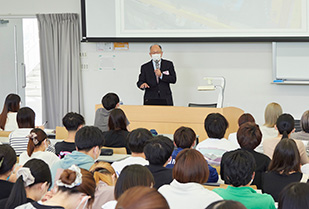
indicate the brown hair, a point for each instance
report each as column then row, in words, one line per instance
column 140, row 197
column 286, row 157
column 244, row 118
column 35, row 141
column 304, row 121
column 271, row 114
column 190, row 166
column 249, row 136
column 184, row 137
column 103, row 171
column 11, row 104
column 117, row 120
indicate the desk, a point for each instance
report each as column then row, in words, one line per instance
column 112, row 158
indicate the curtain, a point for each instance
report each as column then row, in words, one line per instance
column 60, row 66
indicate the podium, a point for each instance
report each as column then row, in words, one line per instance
column 166, row 119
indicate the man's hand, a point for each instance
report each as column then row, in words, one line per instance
column 144, row 85
column 158, row 72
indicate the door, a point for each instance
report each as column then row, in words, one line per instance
column 12, row 68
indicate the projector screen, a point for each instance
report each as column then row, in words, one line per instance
column 194, row 19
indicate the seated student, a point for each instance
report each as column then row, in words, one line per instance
column 131, row 176
column 294, row 196
column 88, row 141
column 285, row 126
column 215, row 146
column 186, row 190
column 226, row 204
column 7, row 166
column 75, row 189
column 118, row 132
column 72, row 122
column 18, row 138
column 249, row 137
column 304, row 133
column 110, row 101
column 158, row 152
column 137, row 140
column 33, row 181
column 284, row 168
column 140, row 197
column 239, row 168
column 37, row 145
column 9, row 113
column 185, row 137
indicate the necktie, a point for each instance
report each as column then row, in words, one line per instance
column 157, row 67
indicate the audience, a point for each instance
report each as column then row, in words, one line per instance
column 137, row 140
column 249, row 137
column 186, row 190
column 140, row 197
column 185, row 137
column 285, row 126
column 37, row 145
column 131, row 176
column 118, row 132
column 9, row 113
column 88, row 141
column 284, row 168
column 158, row 152
column 226, row 204
column 33, row 181
column 294, row 196
column 304, row 133
column 239, row 167
column 216, row 145
column 18, row 138
column 72, row 122
column 7, row 166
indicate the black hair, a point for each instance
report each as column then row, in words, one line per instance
column 226, row 204
column 110, row 100
column 11, row 104
column 158, row 150
column 41, row 173
column 25, row 117
column 294, row 196
column 72, row 121
column 117, row 120
column 7, row 158
column 184, row 137
column 138, row 138
column 239, row 166
column 215, row 125
column 88, row 137
column 285, row 124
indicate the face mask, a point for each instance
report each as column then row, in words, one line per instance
column 156, row 57
column 85, row 201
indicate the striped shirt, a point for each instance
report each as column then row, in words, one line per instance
column 18, row 140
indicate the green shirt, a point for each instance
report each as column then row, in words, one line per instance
column 247, row 196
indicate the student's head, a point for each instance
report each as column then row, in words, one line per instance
column 133, row 175
column 294, row 196
column 244, row 118
column 190, row 166
column 25, row 117
column 103, row 171
column 117, row 120
column 140, row 197
column 286, row 157
column 249, row 136
column 72, row 121
column 7, row 159
column 37, row 138
column 78, row 182
column 184, row 137
column 271, row 114
column 138, row 138
column 36, row 177
column 89, row 138
column 304, row 121
column 285, row 124
column 215, row 125
column 158, row 150
column 239, row 167
column 226, row 204
column 11, row 104
column 110, row 101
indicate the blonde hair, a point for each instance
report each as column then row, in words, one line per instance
column 103, row 171
column 272, row 112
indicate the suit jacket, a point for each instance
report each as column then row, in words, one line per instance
column 159, row 90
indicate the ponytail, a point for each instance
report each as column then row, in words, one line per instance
column 36, row 137
column 285, row 135
column 18, row 194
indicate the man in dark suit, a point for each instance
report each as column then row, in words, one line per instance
column 155, row 78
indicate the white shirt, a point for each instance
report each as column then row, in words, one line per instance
column 18, row 139
column 110, row 204
column 267, row 133
column 188, row 195
column 11, row 123
column 119, row 165
column 48, row 157
column 233, row 138
column 213, row 149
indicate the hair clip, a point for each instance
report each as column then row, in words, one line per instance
column 33, row 136
column 27, row 176
column 78, row 179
